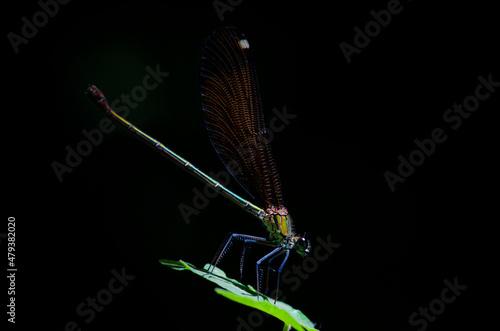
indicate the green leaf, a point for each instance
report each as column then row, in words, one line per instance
column 247, row 295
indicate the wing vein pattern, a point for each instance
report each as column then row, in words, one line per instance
column 233, row 115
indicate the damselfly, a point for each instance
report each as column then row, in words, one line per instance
column 235, row 123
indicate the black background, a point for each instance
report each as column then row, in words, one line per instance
column 119, row 207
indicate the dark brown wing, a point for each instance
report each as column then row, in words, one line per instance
column 233, row 115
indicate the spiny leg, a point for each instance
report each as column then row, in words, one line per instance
column 269, row 267
column 226, row 244
column 279, row 273
column 230, row 238
column 247, row 246
column 266, row 257
column 242, row 259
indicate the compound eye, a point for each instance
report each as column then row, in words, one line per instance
column 303, row 246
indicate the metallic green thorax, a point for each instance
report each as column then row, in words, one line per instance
column 278, row 222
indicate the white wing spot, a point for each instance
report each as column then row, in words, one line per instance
column 244, row 43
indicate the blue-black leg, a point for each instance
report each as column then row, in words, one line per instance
column 270, row 267
column 228, row 242
column 245, row 250
column 279, row 274
column 277, row 251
